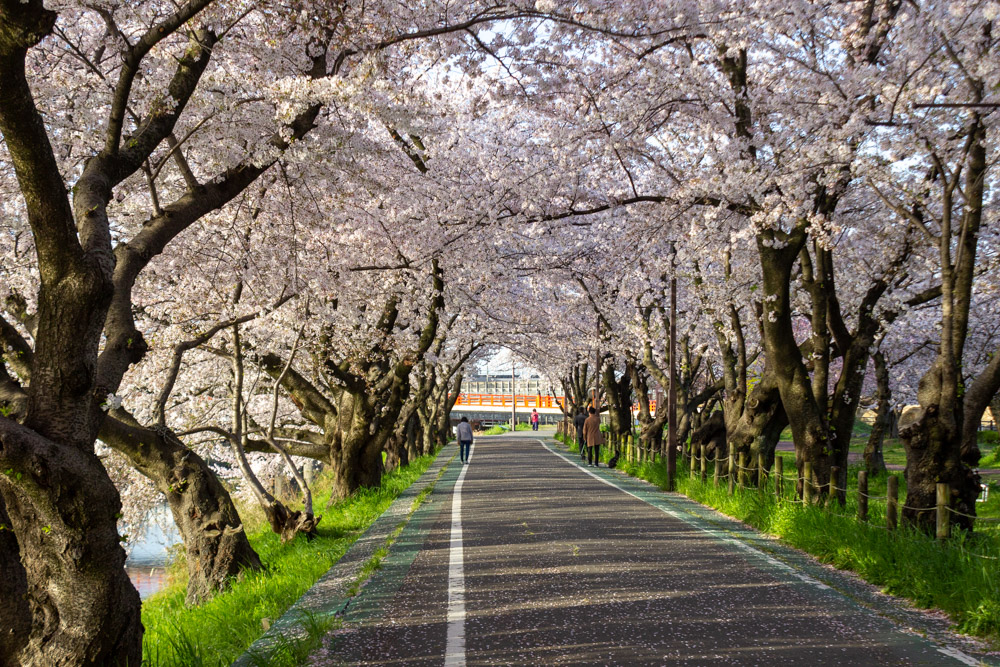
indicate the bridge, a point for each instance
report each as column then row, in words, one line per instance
column 497, row 407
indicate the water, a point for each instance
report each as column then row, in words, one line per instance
column 148, row 559
column 147, row 580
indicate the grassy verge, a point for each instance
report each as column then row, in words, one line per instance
column 895, row 454
column 957, row 576
column 569, row 441
column 217, row 632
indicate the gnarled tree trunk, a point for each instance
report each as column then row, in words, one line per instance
column 619, row 397
column 64, row 510
column 215, row 543
column 357, row 452
column 754, row 425
column 873, row 455
column 930, row 436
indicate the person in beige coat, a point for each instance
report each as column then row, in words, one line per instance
column 593, row 437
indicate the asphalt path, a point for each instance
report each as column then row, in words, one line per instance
column 525, row 557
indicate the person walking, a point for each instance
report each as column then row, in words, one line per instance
column 534, row 419
column 464, row 435
column 578, row 421
column 593, row 437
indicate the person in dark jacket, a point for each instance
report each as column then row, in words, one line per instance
column 464, row 435
column 578, row 422
column 593, row 437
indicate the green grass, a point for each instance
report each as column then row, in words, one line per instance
column 991, row 458
column 957, row 576
column 218, row 631
column 895, row 454
column 288, row 653
column 568, row 441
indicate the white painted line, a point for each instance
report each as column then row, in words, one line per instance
column 454, row 655
column 958, row 655
column 949, row 651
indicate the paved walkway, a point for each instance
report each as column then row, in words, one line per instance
column 535, row 560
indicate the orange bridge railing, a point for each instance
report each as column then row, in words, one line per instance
column 523, row 401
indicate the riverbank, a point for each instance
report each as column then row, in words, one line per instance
column 218, row 631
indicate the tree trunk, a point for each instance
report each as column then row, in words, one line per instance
column 15, row 617
column 754, row 426
column 357, row 453
column 427, row 429
column 215, row 543
column 873, row 456
column 448, row 403
column 995, row 412
column 810, row 431
column 64, row 511
column 619, row 396
column 934, row 455
column 413, row 437
column 396, row 455
column 712, row 434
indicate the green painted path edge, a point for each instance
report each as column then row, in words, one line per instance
column 329, row 597
column 788, row 562
column 381, row 588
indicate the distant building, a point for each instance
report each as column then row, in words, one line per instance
column 501, row 384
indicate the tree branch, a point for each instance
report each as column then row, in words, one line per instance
column 23, row 25
column 133, row 60
column 182, row 347
column 14, row 349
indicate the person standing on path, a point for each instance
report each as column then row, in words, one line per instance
column 578, row 422
column 593, row 437
column 534, row 419
column 464, row 435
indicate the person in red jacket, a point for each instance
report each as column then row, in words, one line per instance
column 534, row 419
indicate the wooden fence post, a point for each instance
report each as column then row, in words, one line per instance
column 718, row 468
column 761, row 471
column 742, row 474
column 693, row 461
column 704, row 465
column 779, row 475
column 862, row 495
column 831, row 487
column 807, row 482
column 732, row 470
column 943, row 520
column 891, row 501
